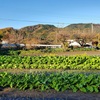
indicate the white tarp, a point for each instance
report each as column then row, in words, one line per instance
column 75, row 44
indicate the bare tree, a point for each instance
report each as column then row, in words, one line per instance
column 63, row 37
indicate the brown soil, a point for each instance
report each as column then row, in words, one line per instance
column 67, row 53
column 49, row 94
column 90, row 53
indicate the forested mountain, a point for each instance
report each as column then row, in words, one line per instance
column 37, row 33
column 47, row 34
column 84, row 27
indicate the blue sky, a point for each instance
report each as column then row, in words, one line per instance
column 21, row 13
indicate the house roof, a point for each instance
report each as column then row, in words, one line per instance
column 8, row 46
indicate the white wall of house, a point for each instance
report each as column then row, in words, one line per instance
column 4, row 42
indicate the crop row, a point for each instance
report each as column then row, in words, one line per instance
column 47, row 81
column 50, row 62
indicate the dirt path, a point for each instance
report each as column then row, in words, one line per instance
column 90, row 53
column 47, row 95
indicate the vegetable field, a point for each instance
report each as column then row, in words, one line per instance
column 50, row 62
column 59, row 81
column 56, row 81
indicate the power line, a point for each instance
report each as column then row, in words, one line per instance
column 6, row 19
column 59, row 24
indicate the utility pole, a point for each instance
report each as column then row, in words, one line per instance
column 91, row 28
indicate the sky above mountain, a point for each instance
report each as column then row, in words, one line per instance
column 20, row 13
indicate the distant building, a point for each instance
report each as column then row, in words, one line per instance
column 73, row 43
column 4, row 42
column 8, row 46
column 45, row 45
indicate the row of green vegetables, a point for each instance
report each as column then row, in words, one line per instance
column 47, row 81
column 51, row 62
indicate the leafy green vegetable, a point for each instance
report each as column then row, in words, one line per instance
column 57, row 81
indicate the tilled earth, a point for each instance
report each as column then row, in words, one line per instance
column 14, row 94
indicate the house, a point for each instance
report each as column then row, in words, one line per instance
column 4, row 42
column 46, row 45
column 8, row 46
column 88, row 45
